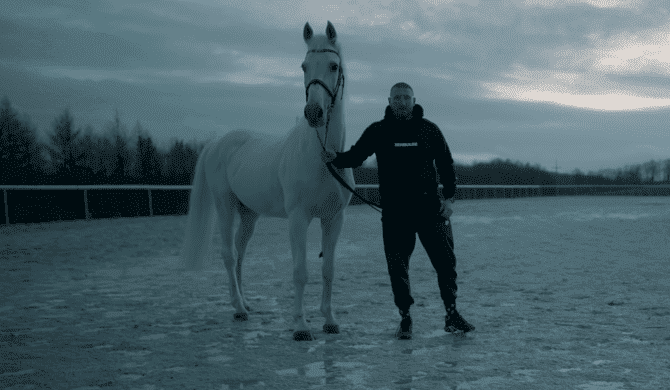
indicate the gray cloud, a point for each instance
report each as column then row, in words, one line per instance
column 489, row 73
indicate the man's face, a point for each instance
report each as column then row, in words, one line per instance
column 402, row 101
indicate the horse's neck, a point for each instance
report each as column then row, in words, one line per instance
column 336, row 130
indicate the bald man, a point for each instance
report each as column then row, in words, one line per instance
column 406, row 145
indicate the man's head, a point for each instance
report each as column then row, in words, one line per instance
column 402, row 100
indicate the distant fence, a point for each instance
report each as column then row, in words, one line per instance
column 35, row 204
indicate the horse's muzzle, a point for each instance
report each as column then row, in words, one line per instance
column 314, row 115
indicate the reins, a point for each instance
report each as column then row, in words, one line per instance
column 333, row 97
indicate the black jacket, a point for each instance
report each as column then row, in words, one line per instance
column 405, row 152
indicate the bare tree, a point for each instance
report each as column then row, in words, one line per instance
column 148, row 168
column 89, row 153
column 107, row 158
column 121, row 154
column 649, row 170
column 666, row 169
column 63, row 148
column 20, row 153
column 179, row 163
column 632, row 174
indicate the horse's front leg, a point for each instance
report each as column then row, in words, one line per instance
column 330, row 232
column 298, row 224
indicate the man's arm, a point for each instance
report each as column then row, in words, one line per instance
column 364, row 148
column 445, row 168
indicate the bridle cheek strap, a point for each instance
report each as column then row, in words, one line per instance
column 333, row 96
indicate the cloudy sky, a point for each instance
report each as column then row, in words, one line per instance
column 585, row 83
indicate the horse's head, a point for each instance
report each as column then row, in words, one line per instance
column 323, row 73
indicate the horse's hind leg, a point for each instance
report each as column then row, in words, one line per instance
column 248, row 219
column 330, row 232
column 225, row 205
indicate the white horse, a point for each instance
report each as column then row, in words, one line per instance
column 247, row 173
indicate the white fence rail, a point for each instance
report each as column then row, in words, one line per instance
column 528, row 190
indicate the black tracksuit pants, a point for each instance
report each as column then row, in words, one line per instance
column 400, row 226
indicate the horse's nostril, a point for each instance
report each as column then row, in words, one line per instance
column 313, row 113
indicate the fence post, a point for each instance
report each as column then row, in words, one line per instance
column 88, row 216
column 6, row 208
column 151, row 210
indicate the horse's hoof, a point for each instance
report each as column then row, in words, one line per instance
column 331, row 328
column 241, row 316
column 303, row 335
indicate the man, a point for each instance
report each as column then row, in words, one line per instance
column 406, row 145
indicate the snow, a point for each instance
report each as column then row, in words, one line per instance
column 565, row 292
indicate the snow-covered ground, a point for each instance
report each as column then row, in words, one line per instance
column 565, row 292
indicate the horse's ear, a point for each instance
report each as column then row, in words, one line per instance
column 307, row 32
column 330, row 32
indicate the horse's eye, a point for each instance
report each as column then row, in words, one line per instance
column 333, row 68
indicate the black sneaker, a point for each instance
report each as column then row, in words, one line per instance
column 453, row 322
column 404, row 331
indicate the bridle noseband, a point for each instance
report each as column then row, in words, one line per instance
column 333, row 96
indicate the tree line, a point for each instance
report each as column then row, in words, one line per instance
column 83, row 157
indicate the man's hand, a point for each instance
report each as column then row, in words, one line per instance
column 445, row 208
column 328, row 156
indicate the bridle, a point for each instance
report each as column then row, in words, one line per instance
column 333, row 96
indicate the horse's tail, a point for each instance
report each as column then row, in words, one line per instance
column 200, row 223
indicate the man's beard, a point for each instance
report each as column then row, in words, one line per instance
column 402, row 113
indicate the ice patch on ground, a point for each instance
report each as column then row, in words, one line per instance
column 315, row 370
column 435, row 333
column 255, row 334
column 599, row 362
column 153, row 336
column 365, row 346
column 219, row 359
column 474, row 219
column 483, row 383
column 23, row 372
column 581, row 217
column 601, row 386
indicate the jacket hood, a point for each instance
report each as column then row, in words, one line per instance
column 417, row 113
